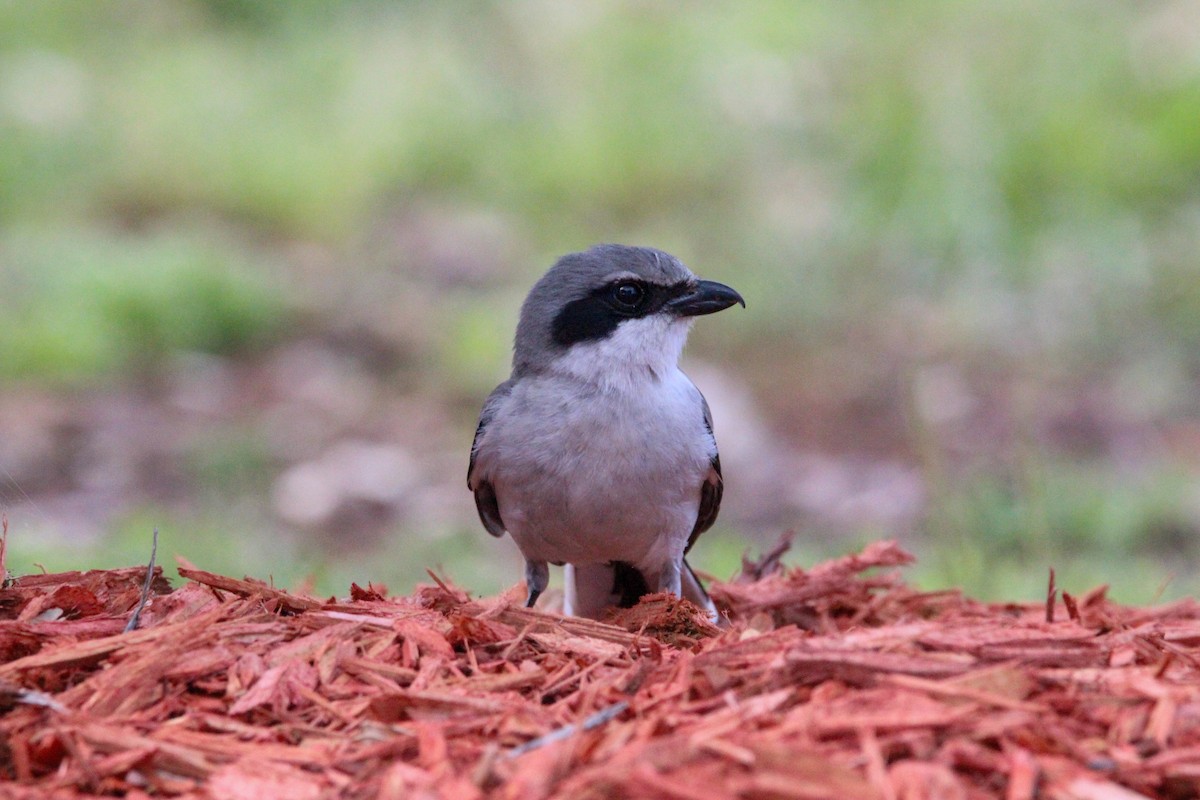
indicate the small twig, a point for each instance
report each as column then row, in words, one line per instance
column 1072, row 607
column 1164, row 665
column 247, row 588
column 1051, row 596
column 453, row 595
column 768, row 563
column 591, row 723
column 877, row 773
column 137, row 612
column 1162, row 588
column 441, row 583
column 32, row 698
column 515, row 643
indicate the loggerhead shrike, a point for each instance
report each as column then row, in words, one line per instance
column 598, row 453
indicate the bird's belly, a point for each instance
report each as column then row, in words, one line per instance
column 569, row 523
column 579, row 498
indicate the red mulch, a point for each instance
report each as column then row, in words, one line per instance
column 839, row 681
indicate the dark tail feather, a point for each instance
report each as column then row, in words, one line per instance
column 629, row 585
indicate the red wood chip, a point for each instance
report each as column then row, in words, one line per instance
column 839, row 681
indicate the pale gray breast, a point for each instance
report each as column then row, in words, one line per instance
column 598, row 477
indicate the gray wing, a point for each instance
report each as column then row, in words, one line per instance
column 712, row 488
column 485, row 494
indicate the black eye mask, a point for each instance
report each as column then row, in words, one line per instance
column 596, row 315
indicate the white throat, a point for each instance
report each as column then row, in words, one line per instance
column 638, row 351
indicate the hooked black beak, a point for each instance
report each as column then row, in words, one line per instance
column 708, row 297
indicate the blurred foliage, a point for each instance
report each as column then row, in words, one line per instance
column 1008, row 188
column 85, row 305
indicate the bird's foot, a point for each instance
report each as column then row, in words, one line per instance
column 537, row 577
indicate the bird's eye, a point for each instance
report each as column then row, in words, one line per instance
column 628, row 294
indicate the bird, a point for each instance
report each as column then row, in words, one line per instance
column 598, row 453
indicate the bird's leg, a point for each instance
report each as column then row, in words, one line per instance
column 537, row 576
column 670, row 579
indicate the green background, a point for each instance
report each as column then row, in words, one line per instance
column 254, row 254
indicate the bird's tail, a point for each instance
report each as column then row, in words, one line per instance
column 591, row 588
column 694, row 590
column 629, row 584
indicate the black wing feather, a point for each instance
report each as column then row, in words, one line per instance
column 711, row 490
column 485, row 494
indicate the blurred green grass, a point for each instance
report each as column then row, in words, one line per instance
column 84, row 304
column 1010, row 189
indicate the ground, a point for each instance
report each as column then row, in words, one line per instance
column 839, row 681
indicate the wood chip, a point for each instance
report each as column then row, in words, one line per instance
column 838, row 681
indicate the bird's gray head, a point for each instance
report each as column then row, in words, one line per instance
column 611, row 312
